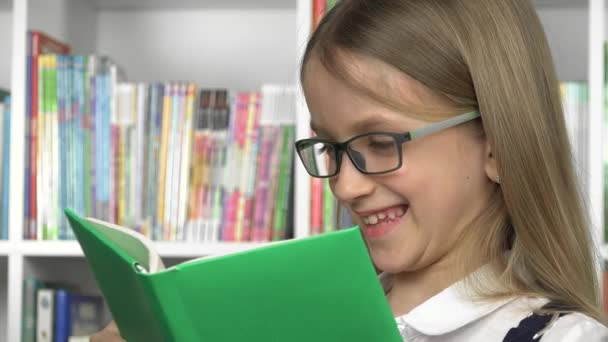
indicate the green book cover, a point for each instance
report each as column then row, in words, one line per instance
column 28, row 320
column 321, row 288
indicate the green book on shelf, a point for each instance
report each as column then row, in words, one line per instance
column 321, row 288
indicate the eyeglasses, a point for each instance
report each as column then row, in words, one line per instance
column 372, row 153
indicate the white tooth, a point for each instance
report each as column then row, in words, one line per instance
column 400, row 211
column 391, row 215
column 365, row 220
column 373, row 219
column 381, row 216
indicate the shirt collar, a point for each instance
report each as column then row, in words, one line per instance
column 449, row 310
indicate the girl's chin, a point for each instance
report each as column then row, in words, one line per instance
column 389, row 262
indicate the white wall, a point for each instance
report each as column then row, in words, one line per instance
column 567, row 32
column 72, row 21
column 238, row 49
column 6, row 36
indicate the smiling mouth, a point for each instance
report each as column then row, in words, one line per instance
column 383, row 216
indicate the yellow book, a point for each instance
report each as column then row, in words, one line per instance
column 163, row 159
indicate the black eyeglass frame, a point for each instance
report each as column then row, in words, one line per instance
column 339, row 148
column 400, row 139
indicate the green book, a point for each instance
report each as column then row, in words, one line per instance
column 321, row 288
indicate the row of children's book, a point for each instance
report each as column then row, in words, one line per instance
column 59, row 313
column 172, row 160
column 5, row 117
column 325, row 214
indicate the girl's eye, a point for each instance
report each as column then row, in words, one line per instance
column 324, row 148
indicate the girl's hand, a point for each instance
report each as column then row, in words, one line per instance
column 108, row 334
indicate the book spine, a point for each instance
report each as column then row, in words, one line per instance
column 62, row 329
column 62, row 142
column 185, row 164
column 45, row 315
column 316, row 206
column 151, row 164
column 54, row 145
column 40, row 163
column 223, row 117
column 283, row 192
column 28, row 143
column 262, row 180
column 318, row 11
column 253, row 137
column 90, row 135
column 144, row 146
column 83, row 134
column 180, row 140
column 235, row 167
column 30, row 302
column 248, row 107
column 198, row 153
column 206, row 194
column 166, row 117
column 275, row 171
column 329, row 208
column 172, row 156
column 73, row 158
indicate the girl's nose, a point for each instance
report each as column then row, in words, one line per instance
column 350, row 184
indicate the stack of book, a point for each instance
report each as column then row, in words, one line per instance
column 170, row 160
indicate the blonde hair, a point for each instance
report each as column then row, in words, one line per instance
column 493, row 56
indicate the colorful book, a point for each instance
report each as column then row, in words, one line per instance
column 288, row 297
column 39, row 43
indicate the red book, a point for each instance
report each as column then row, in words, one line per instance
column 40, row 43
column 318, row 10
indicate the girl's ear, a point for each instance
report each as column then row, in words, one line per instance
column 490, row 164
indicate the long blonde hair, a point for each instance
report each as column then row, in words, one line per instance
column 491, row 55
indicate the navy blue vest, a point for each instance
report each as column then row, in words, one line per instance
column 530, row 329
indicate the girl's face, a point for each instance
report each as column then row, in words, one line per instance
column 410, row 217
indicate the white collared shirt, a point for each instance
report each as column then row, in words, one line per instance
column 450, row 316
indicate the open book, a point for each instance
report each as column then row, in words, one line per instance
column 321, row 288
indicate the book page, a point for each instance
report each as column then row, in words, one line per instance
column 132, row 243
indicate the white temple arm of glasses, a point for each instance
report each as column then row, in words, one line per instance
column 439, row 126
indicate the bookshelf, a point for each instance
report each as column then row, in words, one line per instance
column 237, row 44
column 263, row 41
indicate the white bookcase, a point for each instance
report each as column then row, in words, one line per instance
column 238, row 44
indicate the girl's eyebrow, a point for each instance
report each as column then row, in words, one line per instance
column 369, row 123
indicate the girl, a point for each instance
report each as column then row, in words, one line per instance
column 439, row 125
